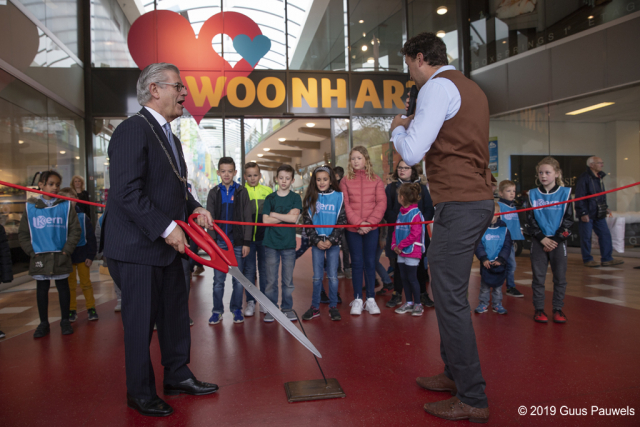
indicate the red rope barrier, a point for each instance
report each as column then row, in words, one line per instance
column 19, row 187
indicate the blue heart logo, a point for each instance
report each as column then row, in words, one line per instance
column 252, row 51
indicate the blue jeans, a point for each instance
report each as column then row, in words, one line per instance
column 382, row 272
column 332, row 260
column 604, row 239
column 496, row 293
column 511, row 268
column 249, row 267
column 218, row 284
column 273, row 258
column 362, row 249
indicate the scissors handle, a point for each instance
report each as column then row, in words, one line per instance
column 221, row 259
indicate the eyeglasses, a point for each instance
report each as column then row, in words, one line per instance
column 178, row 86
column 404, row 168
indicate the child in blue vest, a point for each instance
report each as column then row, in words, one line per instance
column 507, row 192
column 408, row 243
column 549, row 228
column 324, row 205
column 82, row 259
column 49, row 232
column 493, row 251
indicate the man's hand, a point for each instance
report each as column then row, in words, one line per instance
column 205, row 219
column 487, row 264
column 399, row 121
column 177, row 240
column 584, row 218
column 245, row 251
column 88, row 262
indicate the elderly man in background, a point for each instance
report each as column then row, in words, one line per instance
column 592, row 213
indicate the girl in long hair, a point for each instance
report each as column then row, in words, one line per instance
column 365, row 203
column 550, row 229
column 324, row 205
column 407, row 174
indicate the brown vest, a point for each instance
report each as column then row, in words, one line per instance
column 458, row 161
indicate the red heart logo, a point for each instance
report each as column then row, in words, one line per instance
column 165, row 36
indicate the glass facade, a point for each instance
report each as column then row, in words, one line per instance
column 42, row 90
column 36, row 134
column 501, row 29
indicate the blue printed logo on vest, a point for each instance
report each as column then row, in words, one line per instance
column 42, row 221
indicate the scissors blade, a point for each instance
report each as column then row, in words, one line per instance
column 273, row 310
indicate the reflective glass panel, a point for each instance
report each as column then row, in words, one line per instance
column 376, row 35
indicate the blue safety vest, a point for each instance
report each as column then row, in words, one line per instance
column 327, row 210
column 83, row 238
column 403, row 231
column 549, row 219
column 48, row 227
column 493, row 240
column 512, row 221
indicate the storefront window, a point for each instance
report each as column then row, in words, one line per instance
column 372, row 132
column 109, row 32
column 320, row 44
column 36, row 134
column 61, row 17
column 376, row 35
column 341, row 141
column 501, row 29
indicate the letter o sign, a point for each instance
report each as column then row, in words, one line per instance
column 281, row 92
column 232, row 92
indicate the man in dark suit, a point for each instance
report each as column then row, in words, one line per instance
column 143, row 243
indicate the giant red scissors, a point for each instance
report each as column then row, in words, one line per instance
column 224, row 260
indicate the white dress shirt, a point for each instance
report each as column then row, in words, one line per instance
column 161, row 121
column 438, row 100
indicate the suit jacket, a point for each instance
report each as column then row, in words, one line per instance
column 145, row 194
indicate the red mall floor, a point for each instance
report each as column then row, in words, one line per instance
column 593, row 360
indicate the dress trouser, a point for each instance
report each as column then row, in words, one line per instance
column 457, row 229
column 152, row 294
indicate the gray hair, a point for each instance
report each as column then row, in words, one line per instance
column 590, row 160
column 152, row 73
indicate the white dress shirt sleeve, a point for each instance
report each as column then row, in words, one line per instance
column 438, row 100
column 169, row 229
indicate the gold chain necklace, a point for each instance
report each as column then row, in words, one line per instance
column 175, row 171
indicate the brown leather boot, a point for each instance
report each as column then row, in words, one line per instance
column 439, row 382
column 453, row 409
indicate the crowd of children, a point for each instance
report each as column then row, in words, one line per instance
column 59, row 238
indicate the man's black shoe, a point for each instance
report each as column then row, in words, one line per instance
column 191, row 386
column 42, row 330
column 155, row 407
column 425, row 300
column 65, row 325
column 324, row 298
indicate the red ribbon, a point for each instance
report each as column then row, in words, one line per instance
column 19, row 187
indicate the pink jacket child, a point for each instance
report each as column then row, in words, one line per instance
column 364, row 199
column 411, row 236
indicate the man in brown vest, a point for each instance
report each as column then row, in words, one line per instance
column 451, row 126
